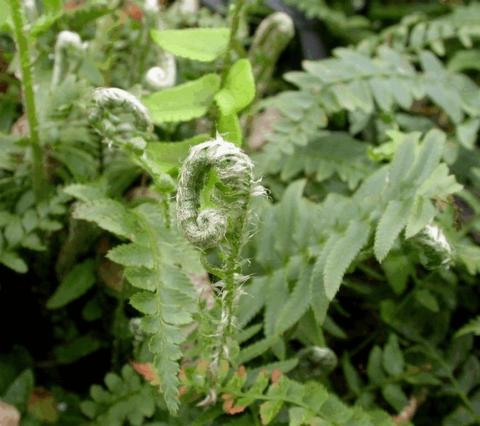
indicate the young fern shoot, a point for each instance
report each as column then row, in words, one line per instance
column 68, row 51
column 222, row 223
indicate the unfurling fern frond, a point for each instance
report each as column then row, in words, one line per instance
column 163, row 75
column 233, row 171
column 120, row 117
column 68, row 51
column 270, row 40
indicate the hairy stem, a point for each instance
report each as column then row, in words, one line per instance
column 39, row 175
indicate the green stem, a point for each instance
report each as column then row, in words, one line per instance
column 235, row 24
column 39, row 175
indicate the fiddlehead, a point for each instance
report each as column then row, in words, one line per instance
column 163, row 76
column 234, row 170
column 270, row 40
column 120, row 117
column 220, row 224
column 435, row 250
column 68, row 46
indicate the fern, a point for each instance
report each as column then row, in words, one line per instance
column 417, row 32
column 363, row 85
column 332, row 233
column 126, row 400
column 163, row 293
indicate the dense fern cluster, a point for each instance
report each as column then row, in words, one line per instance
column 323, row 274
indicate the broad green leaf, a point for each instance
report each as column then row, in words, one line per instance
column 238, row 90
column 110, row 215
column 392, row 222
column 342, row 254
column 184, row 102
column 229, row 127
column 77, row 282
column 170, row 155
column 132, row 255
column 393, row 361
column 200, row 44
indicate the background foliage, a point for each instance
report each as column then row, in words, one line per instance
column 356, row 300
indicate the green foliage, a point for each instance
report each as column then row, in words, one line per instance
column 77, row 282
column 199, row 44
column 126, row 400
column 183, row 102
column 147, row 258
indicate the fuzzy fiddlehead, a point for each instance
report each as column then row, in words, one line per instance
column 270, row 40
column 219, row 221
column 164, row 75
column 120, row 117
column 435, row 250
column 68, row 51
column 234, row 171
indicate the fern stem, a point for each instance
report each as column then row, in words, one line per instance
column 234, row 26
column 39, row 175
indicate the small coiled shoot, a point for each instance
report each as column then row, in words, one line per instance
column 120, row 117
column 233, row 170
column 164, row 75
column 68, row 52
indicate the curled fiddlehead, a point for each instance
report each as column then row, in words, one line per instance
column 234, row 170
column 68, row 51
column 220, row 223
column 435, row 250
column 120, row 117
column 270, row 40
column 164, row 75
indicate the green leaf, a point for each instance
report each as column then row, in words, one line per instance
column 13, row 261
column 297, row 304
column 397, row 268
column 170, row 155
column 467, row 132
column 111, row 216
column 427, row 299
column 393, row 361
column 342, row 254
column 391, row 224
column 421, row 215
column 229, row 127
column 374, row 366
column 53, row 7
column 20, row 390
column 200, row 44
column 77, row 282
column 184, row 102
column 395, row 396
column 352, row 377
column 238, row 91
column 76, row 349
column 131, row 255
column 473, row 327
